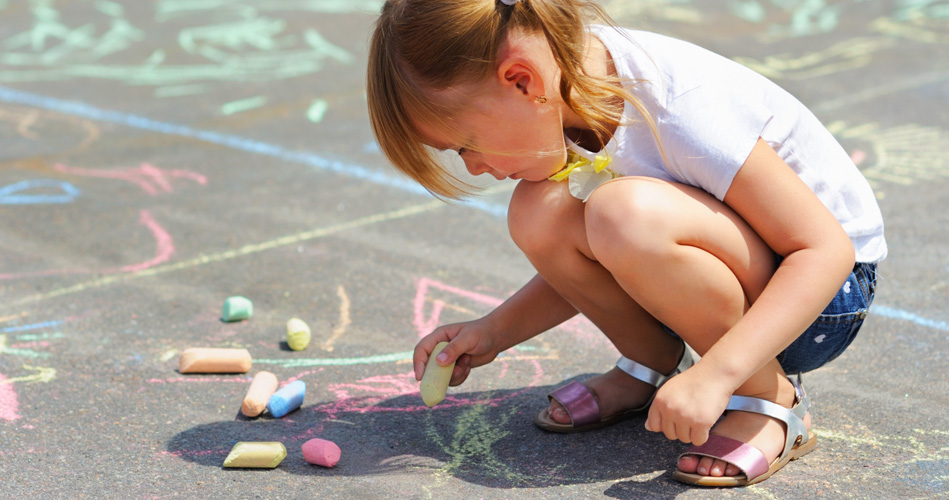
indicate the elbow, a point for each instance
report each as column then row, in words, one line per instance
column 843, row 256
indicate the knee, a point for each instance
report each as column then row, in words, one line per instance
column 538, row 215
column 626, row 220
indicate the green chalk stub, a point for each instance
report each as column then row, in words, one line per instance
column 237, row 308
column 256, row 455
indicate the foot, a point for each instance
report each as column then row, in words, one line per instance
column 760, row 431
column 615, row 392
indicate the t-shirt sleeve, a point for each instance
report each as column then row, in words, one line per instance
column 708, row 132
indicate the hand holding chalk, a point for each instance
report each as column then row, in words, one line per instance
column 436, row 378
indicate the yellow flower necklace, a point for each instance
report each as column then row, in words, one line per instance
column 584, row 175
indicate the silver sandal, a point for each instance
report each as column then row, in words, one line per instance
column 747, row 458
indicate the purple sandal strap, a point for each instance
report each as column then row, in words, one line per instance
column 579, row 402
column 742, row 455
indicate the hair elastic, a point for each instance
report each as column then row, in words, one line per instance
column 509, row 2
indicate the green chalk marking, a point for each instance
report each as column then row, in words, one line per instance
column 243, row 105
column 110, row 8
column 26, row 353
column 156, row 58
column 43, row 336
column 181, row 90
column 317, row 110
column 298, row 363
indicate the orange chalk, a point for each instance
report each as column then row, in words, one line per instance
column 263, row 386
column 214, row 360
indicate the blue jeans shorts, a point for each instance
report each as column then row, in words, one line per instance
column 836, row 327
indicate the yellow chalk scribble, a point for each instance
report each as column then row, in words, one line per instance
column 847, row 55
column 45, row 375
column 902, row 155
column 344, row 318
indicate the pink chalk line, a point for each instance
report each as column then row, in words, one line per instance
column 192, row 453
column 858, row 157
column 8, row 400
column 424, row 325
column 144, row 176
column 30, row 451
column 384, row 387
column 164, row 248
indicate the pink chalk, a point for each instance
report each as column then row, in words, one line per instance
column 321, row 452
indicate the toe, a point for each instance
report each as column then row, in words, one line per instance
column 705, row 466
column 688, row 464
column 717, row 469
column 558, row 413
column 732, row 470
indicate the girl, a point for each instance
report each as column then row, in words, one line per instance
column 698, row 198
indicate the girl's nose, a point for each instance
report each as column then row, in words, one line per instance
column 476, row 167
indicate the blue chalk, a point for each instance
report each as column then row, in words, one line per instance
column 287, row 399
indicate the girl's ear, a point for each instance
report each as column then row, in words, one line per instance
column 517, row 73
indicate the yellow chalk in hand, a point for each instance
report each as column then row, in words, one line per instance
column 435, row 379
column 256, row 455
column 298, row 334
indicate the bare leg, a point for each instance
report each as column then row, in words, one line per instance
column 547, row 223
column 696, row 266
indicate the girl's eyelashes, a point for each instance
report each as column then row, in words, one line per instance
column 462, row 151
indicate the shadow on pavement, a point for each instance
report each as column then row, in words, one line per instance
column 485, row 438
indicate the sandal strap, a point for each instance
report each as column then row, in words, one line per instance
column 793, row 418
column 747, row 458
column 645, row 374
column 579, row 403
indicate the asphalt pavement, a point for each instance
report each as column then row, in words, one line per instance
column 159, row 157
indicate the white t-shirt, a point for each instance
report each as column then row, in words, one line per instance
column 710, row 111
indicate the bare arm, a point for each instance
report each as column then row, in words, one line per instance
column 818, row 256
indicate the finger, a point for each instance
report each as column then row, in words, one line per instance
column 684, row 433
column 462, row 377
column 455, row 349
column 419, row 360
column 653, row 420
column 424, row 349
column 669, row 428
column 699, row 435
column 461, row 370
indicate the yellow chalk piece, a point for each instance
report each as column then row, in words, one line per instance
column 435, row 379
column 298, row 334
column 256, row 455
column 214, row 360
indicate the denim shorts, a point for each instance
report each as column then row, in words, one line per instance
column 836, row 327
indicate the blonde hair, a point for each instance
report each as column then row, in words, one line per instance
column 420, row 46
